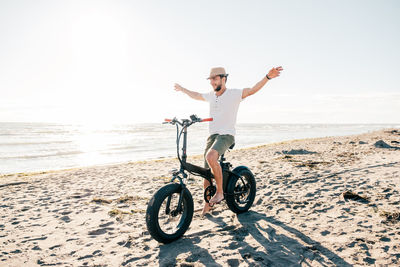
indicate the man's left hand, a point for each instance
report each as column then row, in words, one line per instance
column 275, row 72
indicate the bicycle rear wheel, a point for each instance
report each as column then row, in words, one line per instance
column 241, row 190
column 166, row 219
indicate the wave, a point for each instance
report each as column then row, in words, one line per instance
column 65, row 153
column 34, row 143
column 129, row 147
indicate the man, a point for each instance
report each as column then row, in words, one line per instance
column 224, row 105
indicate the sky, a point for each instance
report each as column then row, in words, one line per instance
column 117, row 61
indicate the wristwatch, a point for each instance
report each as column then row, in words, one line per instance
column 268, row 77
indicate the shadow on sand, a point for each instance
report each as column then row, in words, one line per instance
column 281, row 245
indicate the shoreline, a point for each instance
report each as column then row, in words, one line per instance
column 30, row 173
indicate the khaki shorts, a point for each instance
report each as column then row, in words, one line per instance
column 218, row 142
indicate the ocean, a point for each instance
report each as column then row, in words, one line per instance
column 31, row 147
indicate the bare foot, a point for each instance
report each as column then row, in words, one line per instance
column 206, row 209
column 217, row 198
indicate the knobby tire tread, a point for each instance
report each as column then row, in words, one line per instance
column 230, row 198
column 153, row 210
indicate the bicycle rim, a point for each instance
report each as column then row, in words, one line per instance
column 171, row 221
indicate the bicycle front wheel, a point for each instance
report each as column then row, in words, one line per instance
column 169, row 213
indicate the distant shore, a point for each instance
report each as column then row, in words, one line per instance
column 320, row 201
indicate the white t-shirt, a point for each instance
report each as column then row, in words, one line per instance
column 223, row 110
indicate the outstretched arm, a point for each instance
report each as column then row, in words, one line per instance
column 194, row 95
column 273, row 73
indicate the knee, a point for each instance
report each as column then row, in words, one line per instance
column 212, row 156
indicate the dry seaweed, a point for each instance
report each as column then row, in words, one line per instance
column 298, row 152
column 115, row 212
column 390, row 216
column 312, row 164
column 124, row 199
column 101, row 200
column 395, row 132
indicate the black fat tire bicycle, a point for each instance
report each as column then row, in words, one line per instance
column 170, row 210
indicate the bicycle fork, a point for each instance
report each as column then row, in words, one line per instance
column 178, row 209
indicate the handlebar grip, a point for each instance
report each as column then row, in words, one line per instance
column 167, row 120
column 208, row 119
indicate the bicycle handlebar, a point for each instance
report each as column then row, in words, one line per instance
column 193, row 118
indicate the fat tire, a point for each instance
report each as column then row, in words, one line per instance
column 153, row 209
column 230, row 197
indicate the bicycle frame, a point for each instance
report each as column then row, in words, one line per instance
column 186, row 166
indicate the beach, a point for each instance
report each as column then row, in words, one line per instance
column 331, row 201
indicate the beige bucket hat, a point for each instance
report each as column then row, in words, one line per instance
column 217, row 71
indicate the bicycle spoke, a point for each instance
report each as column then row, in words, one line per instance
column 170, row 222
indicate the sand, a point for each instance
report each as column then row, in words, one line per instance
column 95, row 216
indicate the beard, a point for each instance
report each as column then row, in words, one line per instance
column 218, row 88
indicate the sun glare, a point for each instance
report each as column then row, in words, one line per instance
column 92, row 139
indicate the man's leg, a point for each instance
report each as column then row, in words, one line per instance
column 212, row 159
column 210, row 142
column 207, row 206
column 221, row 144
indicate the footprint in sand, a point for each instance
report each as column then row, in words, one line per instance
column 53, row 247
column 324, row 233
column 104, row 229
column 369, row 260
column 34, row 239
column 385, row 239
column 65, row 219
column 100, row 231
column 106, row 224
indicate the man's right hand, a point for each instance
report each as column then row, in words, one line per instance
column 178, row 87
column 192, row 94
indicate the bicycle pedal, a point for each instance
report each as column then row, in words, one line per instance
column 173, row 171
